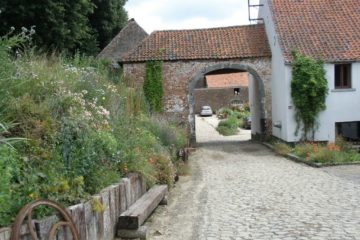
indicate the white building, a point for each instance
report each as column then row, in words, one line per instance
column 324, row 29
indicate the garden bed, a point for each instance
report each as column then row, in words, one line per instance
column 292, row 156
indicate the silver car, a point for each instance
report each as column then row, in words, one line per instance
column 206, row 111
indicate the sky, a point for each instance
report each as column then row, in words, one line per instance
column 189, row 14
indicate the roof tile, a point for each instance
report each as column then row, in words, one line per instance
column 213, row 43
column 323, row 29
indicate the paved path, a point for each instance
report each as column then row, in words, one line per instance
column 241, row 190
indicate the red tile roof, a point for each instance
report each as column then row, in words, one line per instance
column 213, row 43
column 239, row 79
column 327, row 29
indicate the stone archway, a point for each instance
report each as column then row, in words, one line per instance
column 260, row 92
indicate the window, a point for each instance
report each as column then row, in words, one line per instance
column 342, row 75
column 236, row 91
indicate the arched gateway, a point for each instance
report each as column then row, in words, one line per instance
column 188, row 55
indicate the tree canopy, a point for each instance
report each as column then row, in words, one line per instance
column 65, row 25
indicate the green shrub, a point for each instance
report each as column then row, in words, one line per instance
column 164, row 169
column 340, row 152
column 282, row 148
column 229, row 126
column 9, row 170
column 84, row 129
column 223, row 113
column 303, row 150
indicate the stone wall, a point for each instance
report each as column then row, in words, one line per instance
column 217, row 98
column 180, row 79
column 91, row 225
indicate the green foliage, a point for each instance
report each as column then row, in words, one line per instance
column 308, row 91
column 153, row 87
column 228, row 126
column 65, row 25
column 224, row 113
column 168, row 134
column 9, row 169
column 303, row 150
column 97, row 206
column 282, row 148
column 108, row 18
column 84, row 129
column 165, row 170
column 340, row 152
column 233, row 119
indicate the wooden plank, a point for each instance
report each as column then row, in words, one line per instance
column 127, row 196
column 142, row 208
column 77, row 213
column 122, row 199
column 99, row 220
column 108, row 232
column 5, row 233
column 90, row 222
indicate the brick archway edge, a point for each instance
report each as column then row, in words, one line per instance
column 199, row 76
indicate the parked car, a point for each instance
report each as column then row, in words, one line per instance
column 206, row 111
column 247, row 123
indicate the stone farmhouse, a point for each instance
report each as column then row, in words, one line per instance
column 323, row 29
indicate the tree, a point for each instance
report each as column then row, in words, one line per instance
column 108, row 19
column 65, row 25
column 308, row 91
column 59, row 25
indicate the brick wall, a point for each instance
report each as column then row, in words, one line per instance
column 178, row 76
column 217, row 98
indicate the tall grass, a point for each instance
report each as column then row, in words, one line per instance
column 84, row 130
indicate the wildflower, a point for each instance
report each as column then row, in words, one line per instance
column 32, row 30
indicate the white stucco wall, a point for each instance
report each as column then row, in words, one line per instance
column 341, row 105
column 279, row 85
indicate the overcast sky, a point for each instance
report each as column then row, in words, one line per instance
column 187, row 14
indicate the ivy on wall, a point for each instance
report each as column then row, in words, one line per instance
column 308, row 91
column 153, row 87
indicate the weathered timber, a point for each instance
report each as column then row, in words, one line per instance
column 142, row 208
column 141, row 233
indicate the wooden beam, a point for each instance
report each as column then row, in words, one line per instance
column 142, row 208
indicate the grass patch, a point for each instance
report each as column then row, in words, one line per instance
column 282, row 148
column 333, row 153
column 232, row 120
column 73, row 128
column 228, row 126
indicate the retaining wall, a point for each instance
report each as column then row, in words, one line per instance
column 91, row 225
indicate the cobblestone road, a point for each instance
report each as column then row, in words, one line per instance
column 243, row 191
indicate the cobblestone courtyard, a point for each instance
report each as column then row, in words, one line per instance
column 241, row 190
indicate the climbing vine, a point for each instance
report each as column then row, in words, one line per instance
column 153, row 88
column 308, row 91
